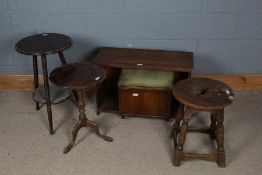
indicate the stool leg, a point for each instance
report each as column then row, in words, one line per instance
column 36, row 82
column 182, row 137
column 176, row 125
column 83, row 122
column 212, row 126
column 220, row 139
column 47, row 94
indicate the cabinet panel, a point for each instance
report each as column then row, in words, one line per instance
column 145, row 102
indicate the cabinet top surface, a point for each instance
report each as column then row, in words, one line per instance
column 145, row 59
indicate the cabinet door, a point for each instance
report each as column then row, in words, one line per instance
column 145, row 102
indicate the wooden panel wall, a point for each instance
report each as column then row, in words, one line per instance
column 239, row 82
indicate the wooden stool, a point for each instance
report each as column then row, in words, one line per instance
column 201, row 94
column 79, row 76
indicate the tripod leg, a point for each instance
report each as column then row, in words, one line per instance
column 74, row 134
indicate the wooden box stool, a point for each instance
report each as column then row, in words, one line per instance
column 200, row 94
column 145, row 93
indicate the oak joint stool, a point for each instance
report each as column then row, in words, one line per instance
column 200, row 94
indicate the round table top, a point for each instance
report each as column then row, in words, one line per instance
column 45, row 43
column 77, row 75
column 203, row 93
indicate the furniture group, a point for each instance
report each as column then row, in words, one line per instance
column 132, row 82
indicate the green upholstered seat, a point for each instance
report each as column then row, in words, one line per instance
column 146, row 79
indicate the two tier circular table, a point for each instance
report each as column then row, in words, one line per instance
column 42, row 45
column 79, row 77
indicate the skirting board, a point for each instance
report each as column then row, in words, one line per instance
column 18, row 82
column 237, row 82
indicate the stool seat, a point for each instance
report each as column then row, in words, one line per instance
column 146, row 79
column 203, row 93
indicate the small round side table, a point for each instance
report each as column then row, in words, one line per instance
column 80, row 76
column 42, row 45
column 200, row 94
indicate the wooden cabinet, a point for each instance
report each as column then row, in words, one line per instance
column 109, row 97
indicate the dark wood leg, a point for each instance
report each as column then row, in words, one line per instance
column 47, row 94
column 221, row 160
column 75, row 95
column 178, row 155
column 74, row 134
column 62, row 58
column 94, row 126
column 213, row 126
column 83, row 122
column 36, row 82
column 176, row 125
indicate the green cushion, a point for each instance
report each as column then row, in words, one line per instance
column 134, row 78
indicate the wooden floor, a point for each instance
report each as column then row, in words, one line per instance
column 236, row 82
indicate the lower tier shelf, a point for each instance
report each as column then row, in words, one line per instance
column 57, row 95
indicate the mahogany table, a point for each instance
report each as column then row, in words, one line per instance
column 42, row 45
column 116, row 59
column 79, row 77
